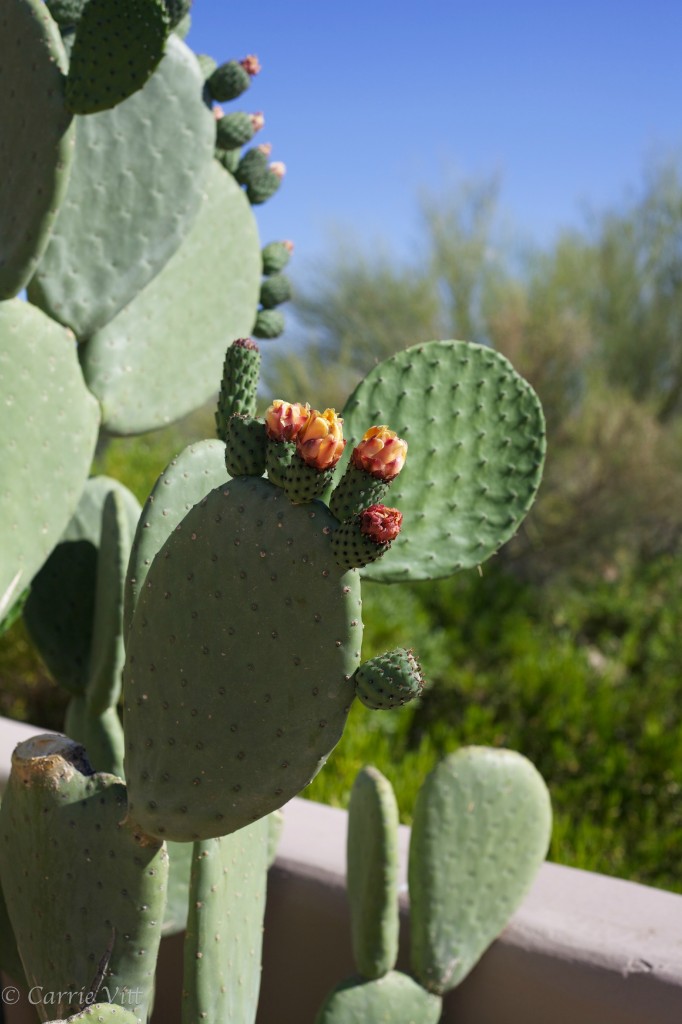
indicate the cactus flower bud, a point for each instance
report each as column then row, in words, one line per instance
column 320, row 441
column 246, row 343
column 218, row 112
column 251, row 64
column 278, row 168
column 289, row 246
column 265, row 148
column 284, row 420
column 257, row 120
column 380, row 523
column 381, row 453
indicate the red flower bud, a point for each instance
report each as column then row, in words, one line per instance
column 380, row 523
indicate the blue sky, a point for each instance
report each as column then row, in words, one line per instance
column 366, row 103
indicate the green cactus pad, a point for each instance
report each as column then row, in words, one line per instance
column 253, row 165
column 10, row 961
column 227, row 158
column 116, row 49
column 274, row 645
column 44, row 470
column 177, row 896
column 389, row 680
column 239, row 386
column 275, row 822
column 207, row 64
column 222, row 951
column 183, row 27
column 100, row 734
column 245, row 446
column 482, row 824
column 66, row 13
column 186, row 480
column 269, row 324
column 101, row 1013
column 61, row 610
column 60, row 836
column 275, row 290
column 476, row 436
column 140, row 365
column 128, row 206
column 372, row 872
column 393, row 999
column 177, row 10
column 262, row 187
column 275, row 256
column 36, row 141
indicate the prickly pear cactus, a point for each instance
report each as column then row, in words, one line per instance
column 245, row 597
column 100, row 1013
column 96, row 888
column 395, row 998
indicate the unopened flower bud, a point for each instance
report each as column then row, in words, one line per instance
column 320, row 442
column 278, row 168
column 289, row 246
column 257, row 120
column 381, row 453
column 218, row 112
column 380, row 523
column 265, row 148
column 283, row 420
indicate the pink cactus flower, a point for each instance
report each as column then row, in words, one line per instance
column 251, row 64
column 284, row 420
column 380, row 523
column 381, row 453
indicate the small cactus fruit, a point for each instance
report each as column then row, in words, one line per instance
column 262, row 187
column 375, row 461
column 233, row 78
column 319, row 446
column 245, row 446
column 239, row 666
column 389, row 680
column 269, row 324
column 94, row 886
column 275, row 290
column 366, row 536
column 239, row 386
column 276, row 255
column 234, row 130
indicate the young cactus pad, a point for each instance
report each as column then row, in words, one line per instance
column 78, row 885
column 238, row 678
column 37, row 138
column 44, row 469
column 482, row 824
column 372, row 858
column 392, row 999
column 476, row 440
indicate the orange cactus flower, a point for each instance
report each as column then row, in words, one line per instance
column 320, row 441
column 283, row 420
column 381, row 453
column 380, row 523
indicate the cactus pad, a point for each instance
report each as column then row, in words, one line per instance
column 476, row 436
column 127, row 206
column 239, row 386
column 245, row 446
column 243, row 597
column 36, row 141
column 373, row 873
column 60, row 610
column 482, row 824
column 393, row 999
column 101, row 1013
column 116, row 49
column 225, row 927
column 43, row 470
column 185, row 481
column 140, row 365
column 76, row 845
